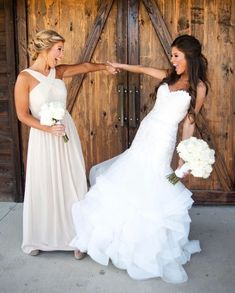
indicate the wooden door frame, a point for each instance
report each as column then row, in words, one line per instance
column 200, row 196
column 225, row 196
column 11, row 73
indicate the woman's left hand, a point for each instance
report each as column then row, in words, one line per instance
column 111, row 69
column 180, row 164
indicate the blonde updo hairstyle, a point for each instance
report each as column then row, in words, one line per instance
column 43, row 40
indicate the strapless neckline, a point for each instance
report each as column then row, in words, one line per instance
column 176, row 91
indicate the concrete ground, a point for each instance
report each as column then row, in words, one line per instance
column 213, row 270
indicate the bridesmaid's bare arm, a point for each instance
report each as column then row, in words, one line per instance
column 67, row 70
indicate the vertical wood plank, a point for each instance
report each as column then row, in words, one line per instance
column 74, row 20
column 122, row 57
column 89, row 49
column 22, row 63
column 14, row 151
column 133, row 79
column 95, row 111
column 183, row 17
column 159, row 25
column 151, row 54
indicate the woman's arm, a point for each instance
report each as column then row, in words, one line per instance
column 189, row 125
column 66, row 70
column 22, row 89
column 154, row 72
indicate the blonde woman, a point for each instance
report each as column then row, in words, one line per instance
column 55, row 177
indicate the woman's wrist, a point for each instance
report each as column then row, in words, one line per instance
column 180, row 163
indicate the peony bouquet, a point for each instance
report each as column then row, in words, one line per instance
column 52, row 113
column 198, row 158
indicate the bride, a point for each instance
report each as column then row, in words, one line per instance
column 133, row 215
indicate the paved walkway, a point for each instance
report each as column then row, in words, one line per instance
column 211, row 271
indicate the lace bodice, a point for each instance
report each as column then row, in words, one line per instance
column 170, row 107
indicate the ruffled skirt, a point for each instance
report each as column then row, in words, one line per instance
column 133, row 216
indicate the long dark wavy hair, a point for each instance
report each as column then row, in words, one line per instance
column 196, row 65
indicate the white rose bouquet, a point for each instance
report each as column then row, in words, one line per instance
column 198, row 158
column 52, row 113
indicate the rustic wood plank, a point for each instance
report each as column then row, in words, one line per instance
column 22, row 36
column 133, row 79
column 232, row 86
column 159, row 25
column 151, row 54
column 17, row 192
column 23, row 62
column 197, row 18
column 183, row 17
column 92, row 113
column 166, row 40
column 213, row 197
column 89, row 48
column 95, row 112
column 219, row 166
column 122, row 57
column 226, row 63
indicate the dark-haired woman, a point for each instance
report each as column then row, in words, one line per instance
column 132, row 214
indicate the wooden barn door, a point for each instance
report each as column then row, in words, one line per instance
column 107, row 109
column 10, row 166
column 144, row 37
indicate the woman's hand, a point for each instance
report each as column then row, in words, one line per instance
column 111, row 69
column 115, row 65
column 180, row 164
column 57, row 129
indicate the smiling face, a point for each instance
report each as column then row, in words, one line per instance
column 55, row 54
column 179, row 61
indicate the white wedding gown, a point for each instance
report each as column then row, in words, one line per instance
column 132, row 214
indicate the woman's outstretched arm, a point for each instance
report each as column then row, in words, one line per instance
column 154, row 72
column 68, row 70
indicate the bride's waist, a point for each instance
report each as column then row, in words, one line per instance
column 161, row 120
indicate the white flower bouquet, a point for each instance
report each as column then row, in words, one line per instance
column 52, row 113
column 198, row 158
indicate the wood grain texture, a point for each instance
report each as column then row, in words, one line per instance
column 133, row 79
column 95, row 110
column 91, row 43
column 10, row 163
column 95, row 107
column 159, row 25
column 121, row 31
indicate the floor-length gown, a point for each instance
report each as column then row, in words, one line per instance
column 133, row 215
column 55, row 174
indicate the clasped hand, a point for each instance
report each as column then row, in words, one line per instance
column 57, row 129
column 112, row 68
column 180, row 164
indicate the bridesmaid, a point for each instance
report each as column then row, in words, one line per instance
column 55, row 177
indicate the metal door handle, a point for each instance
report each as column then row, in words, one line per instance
column 121, row 91
column 133, row 119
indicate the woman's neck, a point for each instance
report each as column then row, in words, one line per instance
column 184, row 78
column 41, row 65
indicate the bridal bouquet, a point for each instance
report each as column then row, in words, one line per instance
column 52, row 113
column 198, row 159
